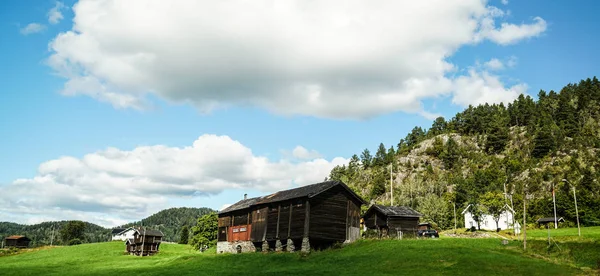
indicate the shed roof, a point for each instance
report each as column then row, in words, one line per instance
column 395, row 211
column 16, row 237
column 304, row 191
column 149, row 232
column 550, row 219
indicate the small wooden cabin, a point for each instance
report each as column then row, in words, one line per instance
column 392, row 221
column 322, row 213
column 144, row 242
column 17, row 241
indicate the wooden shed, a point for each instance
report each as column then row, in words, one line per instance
column 17, row 241
column 392, row 221
column 322, row 213
column 144, row 242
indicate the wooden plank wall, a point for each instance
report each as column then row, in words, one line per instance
column 405, row 223
column 259, row 224
column 272, row 218
column 328, row 215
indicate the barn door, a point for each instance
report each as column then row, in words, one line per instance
column 352, row 222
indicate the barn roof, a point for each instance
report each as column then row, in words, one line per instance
column 395, row 211
column 149, row 232
column 16, row 237
column 304, row 191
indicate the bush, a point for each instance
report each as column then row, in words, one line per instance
column 75, row 242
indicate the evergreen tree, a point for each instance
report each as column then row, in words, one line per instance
column 365, row 158
column 544, row 141
column 451, row 153
column 73, row 230
column 380, row 156
column 183, row 239
column 498, row 137
column 438, row 127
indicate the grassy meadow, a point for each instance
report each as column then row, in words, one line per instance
column 444, row 256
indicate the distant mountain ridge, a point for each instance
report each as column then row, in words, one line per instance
column 169, row 221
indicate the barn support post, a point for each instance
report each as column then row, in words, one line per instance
column 305, row 242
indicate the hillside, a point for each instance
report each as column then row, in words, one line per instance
column 446, row 256
column 170, row 221
column 46, row 232
column 483, row 152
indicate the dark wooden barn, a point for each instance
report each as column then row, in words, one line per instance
column 322, row 213
column 392, row 221
column 17, row 241
column 144, row 242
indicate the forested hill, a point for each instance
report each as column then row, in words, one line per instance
column 170, row 221
column 46, row 232
column 484, row 151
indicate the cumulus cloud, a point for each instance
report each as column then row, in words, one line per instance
column 505, row 2
column 114, row 185
column 316, row 58
column 494, row 64
column 480, row 87
column 55, row 14
column 32, row 28
column 302, row 153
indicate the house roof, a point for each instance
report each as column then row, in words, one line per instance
column 548, row 220
column 16, row 237
column 395, row 211
column 117, row 230
column 149, row 232
column 304, row 191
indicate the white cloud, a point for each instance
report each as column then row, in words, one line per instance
column 509, row 33
column 316, row 58
column 55, row 14
column 512, row 62
column 494, row 64
column 482, row 87
column 113, row 185
column 505, row 2
column 32, row 28
column 302, row 153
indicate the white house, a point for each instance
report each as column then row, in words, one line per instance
column 487, row 221
column 122, row 234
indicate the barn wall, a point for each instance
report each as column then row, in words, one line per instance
column 328, row 215
column 259, row 224
column 272, row 222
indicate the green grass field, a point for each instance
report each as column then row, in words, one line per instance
column 444, row 256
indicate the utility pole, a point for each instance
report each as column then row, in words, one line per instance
column 524, row 218
column 52, row 236
column 576, row 211
column 392, row 183
column 554, row 201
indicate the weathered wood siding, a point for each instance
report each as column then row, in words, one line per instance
column 404, row 223
column 259, row 224
column 298, row 215
column 284, row 220
column 329, row 214
column 272, row 219
column 375, row 219
column 224, row 221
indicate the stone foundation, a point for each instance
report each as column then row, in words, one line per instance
column 305, row 245
column 290, row 246
column 232, row 247
column 278, row 246
column 265, row 246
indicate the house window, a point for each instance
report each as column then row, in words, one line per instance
column 242, row 229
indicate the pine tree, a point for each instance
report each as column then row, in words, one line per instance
column 498, row 137
column 365, row 158
column 183, row 238
column 380, row 156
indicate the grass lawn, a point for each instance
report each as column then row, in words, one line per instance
column 445, row 256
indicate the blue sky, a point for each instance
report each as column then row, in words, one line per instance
column 124, row 81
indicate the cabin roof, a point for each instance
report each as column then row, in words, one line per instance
column 16, row 237
column 395, row 211
column 304, row 191
column 149, row 232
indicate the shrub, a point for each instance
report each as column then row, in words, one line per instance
column 75, row 242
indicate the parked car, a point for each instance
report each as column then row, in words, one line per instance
column 431, row 233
